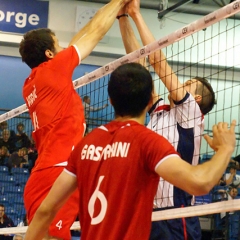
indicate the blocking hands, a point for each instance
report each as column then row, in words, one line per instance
column 131, row 7
column 223, row 136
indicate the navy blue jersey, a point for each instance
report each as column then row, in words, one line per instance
column 182, row 125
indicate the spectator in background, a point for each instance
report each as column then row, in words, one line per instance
column 229, row 194
column 22, row 224
column 17, row 159
column 18, row 237
column 222, row 182
column 5, row 222
column 4, row 125
column 232, row 178
column 88, row 109
column 32, row 155
column 21, row 139
column 7, row 141
column 4, row 155
column 236, row 161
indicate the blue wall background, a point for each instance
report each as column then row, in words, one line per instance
column 13, row 73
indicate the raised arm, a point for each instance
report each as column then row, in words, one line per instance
column 61, row 190
column 88, row 37
column 156, row 59
column 200, row 179
column 231, row 177
column 93, row 109
column 129, row 39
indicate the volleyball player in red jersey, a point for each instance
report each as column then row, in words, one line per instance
column 55, row 108
column 117, row 166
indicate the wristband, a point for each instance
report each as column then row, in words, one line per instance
column 122, row 15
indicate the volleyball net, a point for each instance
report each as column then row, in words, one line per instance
column 208, row 47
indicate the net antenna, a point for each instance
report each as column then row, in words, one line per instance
column 163, row 5
column 165, row 9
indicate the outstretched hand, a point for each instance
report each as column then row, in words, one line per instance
column 133, row 7
column 223, row 136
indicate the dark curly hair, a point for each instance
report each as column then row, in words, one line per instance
column 34, row 44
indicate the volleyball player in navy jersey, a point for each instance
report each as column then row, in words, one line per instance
column 181, row 122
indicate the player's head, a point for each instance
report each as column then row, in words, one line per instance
column 203, row 92
column 130, row 89
column 38, row 46
column 86, row 99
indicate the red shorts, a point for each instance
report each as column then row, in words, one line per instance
column 36, row 189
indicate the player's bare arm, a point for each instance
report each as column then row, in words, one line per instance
column 200, row 179
column 61, row 190
column 157, row 59
column 93, row 32
column 128, row 37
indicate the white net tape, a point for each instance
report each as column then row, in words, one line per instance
column 176, row 36
column 201, row 210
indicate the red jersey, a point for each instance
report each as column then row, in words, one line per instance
column 115, row 168
column 55, row 108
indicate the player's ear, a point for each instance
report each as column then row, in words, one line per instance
column 49, row 54
column 151, row 101
column 198, row 98
column 110, row 100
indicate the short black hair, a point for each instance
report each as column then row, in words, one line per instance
column 207, row 93
column 130, row 89
column 34, row 44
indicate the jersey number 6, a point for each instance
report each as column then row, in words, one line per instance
column 103, row 200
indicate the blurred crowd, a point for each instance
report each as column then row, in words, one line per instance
column 16, row 148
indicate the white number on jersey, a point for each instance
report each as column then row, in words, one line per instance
column 103, row 200
column 59, row 225
column 35, row 121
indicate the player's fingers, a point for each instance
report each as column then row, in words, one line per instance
column 233, row 125
column 225, row 125
column 208, row 139
column 214, row 128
